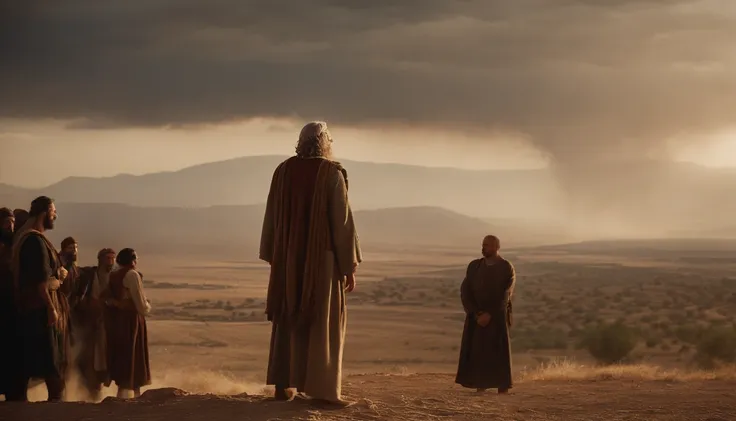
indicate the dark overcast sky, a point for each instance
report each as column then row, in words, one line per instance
column 601, row 77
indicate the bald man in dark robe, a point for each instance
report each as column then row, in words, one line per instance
column 485, row 353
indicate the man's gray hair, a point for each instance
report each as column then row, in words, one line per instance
column 314, row 141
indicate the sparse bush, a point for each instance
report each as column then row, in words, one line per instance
column 678, row 318
column 538, row 339
column 647, row 318
column 610, row 344
column 689, row 334
column 717, row 345
column 653, row 342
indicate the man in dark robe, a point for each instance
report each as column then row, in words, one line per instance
column 21, row 216
column 43, row 309
column 89, row 327
column 7, row 227
column 485, row 352
column 68, row 256
column 9, row 349
column 310, row 241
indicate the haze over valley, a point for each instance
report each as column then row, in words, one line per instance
column 659, row 200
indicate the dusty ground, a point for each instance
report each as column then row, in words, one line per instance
column 424, row 397
column 207, row 335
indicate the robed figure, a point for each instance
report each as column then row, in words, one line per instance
column 310, row 240
column 485, row 352
column 43, row 310
column 125, row 327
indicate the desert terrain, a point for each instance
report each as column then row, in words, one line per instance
column 592, row 137
column 673, row 301
column 607, row 329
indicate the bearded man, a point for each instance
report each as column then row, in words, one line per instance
column 486, row 291
column 89, row 322
column 7, row 230
column 310, row 241
column 21, row 216
column 8, row 351
column 43, row 309
column 68, row 257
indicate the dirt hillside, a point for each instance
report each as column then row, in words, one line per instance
column 423, row 397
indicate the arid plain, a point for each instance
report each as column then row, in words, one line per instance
column 625, row 329
column 208, row 335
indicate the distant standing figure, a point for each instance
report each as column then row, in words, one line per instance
column 485, row 352
column 310, row 241
column 127, row 334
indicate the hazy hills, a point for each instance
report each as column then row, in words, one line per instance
column 238, row 228
column 245, row 181
column 646, row 198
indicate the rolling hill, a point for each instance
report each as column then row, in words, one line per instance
column 239, row 227
column 245, row 181
column 611, row 200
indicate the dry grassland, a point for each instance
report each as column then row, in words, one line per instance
column 208, row 335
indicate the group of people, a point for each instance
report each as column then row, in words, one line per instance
column 310, row 241
column 57, row 317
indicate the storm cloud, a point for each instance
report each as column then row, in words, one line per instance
column 580, row 78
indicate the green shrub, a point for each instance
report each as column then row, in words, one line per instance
column 717, row 345
column 610, row 344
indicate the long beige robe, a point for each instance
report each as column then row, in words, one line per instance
column 306, row 352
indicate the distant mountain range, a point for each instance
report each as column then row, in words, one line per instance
column 245, row 181
column 646, row 198
column 238, row 228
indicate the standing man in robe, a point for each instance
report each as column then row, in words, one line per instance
column 21, row 216
column 43, row 310
column 485, row 352
column 8, row 354
column 310, row 241
column 69, row 255
column 89, row 329
column 7, row 228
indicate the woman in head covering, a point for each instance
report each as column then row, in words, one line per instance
column 127, row 334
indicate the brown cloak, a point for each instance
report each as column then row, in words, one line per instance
column 485, row 352
column 127, row 338
column 309, row 238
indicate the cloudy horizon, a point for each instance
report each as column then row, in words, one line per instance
column 108, row 88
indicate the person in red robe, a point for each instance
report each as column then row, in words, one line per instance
column 127, row 333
